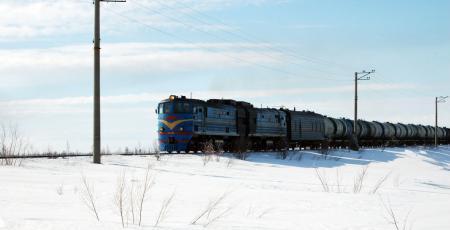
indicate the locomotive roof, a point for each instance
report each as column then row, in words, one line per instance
column 208, row 103
column 174, row 98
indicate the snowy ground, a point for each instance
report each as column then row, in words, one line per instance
column 262, row 192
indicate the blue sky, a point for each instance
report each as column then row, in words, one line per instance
column 272, row 53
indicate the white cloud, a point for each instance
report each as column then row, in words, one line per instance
column 26, row 19
column 20, row 66
column 31, row 18
column 65, row 105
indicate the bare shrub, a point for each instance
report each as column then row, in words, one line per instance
column 257, row 212
column 132, row 202
column 145, row 188
column 323, row 180
column 12, row 146
column 218, row 216
column 119, row 197
column 359, row 180
column 87, row 195
column 212, row 205
column 155, row 150
column 164, row 209
column 380, row 182
column 208, row 152
column 130, row 199
column 249, row 210
column 60, row 189
column 67, row 151
column 338, row 182
column 393, row 217
column 138, row 150
column 218, row 151
column 265, row 212
column 230, row 161
column 106, row 151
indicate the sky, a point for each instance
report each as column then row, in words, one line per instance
column 271, row 53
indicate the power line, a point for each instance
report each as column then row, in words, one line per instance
column 233, row 34
column 250, row 38
column 198, row 46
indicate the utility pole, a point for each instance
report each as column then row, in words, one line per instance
column 97, row 134
column 438, row 100
column 359, row 76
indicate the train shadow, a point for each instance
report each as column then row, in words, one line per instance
column 436, row 156
column 336, row 158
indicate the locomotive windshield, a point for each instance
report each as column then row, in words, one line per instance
column 183, row 107
column 174, row 107
column 165, row 108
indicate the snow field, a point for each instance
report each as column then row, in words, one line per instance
column 262, row 192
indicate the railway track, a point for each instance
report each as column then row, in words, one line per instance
column 53, row 156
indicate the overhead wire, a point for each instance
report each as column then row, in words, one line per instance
column 250, row 38
column 197, row 45
column 262, row 44
column 132, row 19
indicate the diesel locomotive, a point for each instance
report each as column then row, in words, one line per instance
column 185, row 125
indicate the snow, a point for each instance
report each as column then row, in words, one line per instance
column 262, row 192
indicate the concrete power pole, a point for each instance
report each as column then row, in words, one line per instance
column 97, row 134
column 359, row 76
column 438, row 100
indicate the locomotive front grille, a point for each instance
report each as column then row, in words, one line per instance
column 171, row 148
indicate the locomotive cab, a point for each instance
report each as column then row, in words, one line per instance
column 175, row 123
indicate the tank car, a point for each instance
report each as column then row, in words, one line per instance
column 388, row 131
column 363, row 129
column 376, row 130
column 400, row 131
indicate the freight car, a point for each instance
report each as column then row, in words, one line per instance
column 189, row 124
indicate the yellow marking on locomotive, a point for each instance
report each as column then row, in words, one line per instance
column 174, row 124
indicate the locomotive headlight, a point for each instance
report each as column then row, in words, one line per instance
column 172, row 97
column 181, row 129
column 161, row 129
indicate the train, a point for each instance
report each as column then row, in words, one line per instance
column 187, row 125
